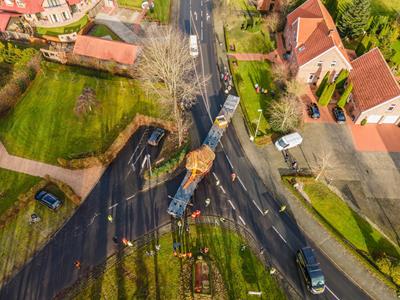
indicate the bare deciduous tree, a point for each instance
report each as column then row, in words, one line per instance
column 324, row 162
column 285, row 114
column 86, row 102
column 272, row 21
column 295, row 88
column 281, row 73
column 167, row 68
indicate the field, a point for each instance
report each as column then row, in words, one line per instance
column 11, row 185
column 100, row 30
column 245, row 76
column 19, row 240
column 161, row 9
column 74, row 27
column 44, row 127
column 136, row 275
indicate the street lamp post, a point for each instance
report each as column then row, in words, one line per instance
column 252, row 138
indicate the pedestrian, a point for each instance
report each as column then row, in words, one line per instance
column 222, row 219
column 115, row 239
column 158, row 247
column 242, row 248
column 272, row 271
column 77, row 264
column 265, row 212
column 130, row 244
column 110, row 218
column 294, row 165
column 208, row 201
column 125, row 241
column 233, row 177
column 261, row 250
column 282, row 209
column 286, row 156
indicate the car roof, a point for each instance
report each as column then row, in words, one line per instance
column 293, row 137
column 309, row 256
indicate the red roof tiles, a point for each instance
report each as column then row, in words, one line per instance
column 30, row 6
column 316, row 31
column 4, row 19
column 106, row 50
column 373, row 82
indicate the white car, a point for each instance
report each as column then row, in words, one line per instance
column 288, row 141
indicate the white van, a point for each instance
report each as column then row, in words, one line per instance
column 288, row 141
column 194, row 48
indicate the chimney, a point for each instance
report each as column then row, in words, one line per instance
column 330, row 32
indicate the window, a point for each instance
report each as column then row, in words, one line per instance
column 311, row 78
column 335, row 76
column 391, row 107
column 319, row 64
column 333, row 63
column 65, row 15
column 53, row 3
column 54, row 18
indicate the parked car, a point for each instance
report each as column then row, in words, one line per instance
column 289, row 141
column 156, row 136
column 309, row 267
column 48, row 199
column 313, row 111
column 339, row 115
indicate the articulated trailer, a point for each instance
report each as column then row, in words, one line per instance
column 199, row 161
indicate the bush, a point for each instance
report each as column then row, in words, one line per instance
column 363, row 122
column 323, row 84
column 341, row 79
column 327, row 94
column 345, row 96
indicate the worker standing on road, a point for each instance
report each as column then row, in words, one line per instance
column 77, row 264
column 110, row 218
column 208, row 201
column 233, row 176
column 283, row 208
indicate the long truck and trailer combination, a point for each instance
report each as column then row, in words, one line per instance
column 199, row 161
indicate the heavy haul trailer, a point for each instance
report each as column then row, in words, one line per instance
column 199, row 161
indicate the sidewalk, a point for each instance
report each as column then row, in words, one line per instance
column 81, row 181
column 314, row 230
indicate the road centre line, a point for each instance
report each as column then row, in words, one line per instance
column 114, row 205
column 330, row 291
column 255, row 203
column 279, row 234
column 242, row 184
column 230, row 202
column 241, row 219
column 130, row 197
column 222, row 189
column 229, row 161
column 137, row 147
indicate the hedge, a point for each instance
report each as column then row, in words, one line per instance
column 343, row 98
column 341, row 79
column 323, row 84
column 327, row 94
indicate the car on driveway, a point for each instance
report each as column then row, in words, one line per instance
column 310, row 269
column 288, row 141
column 339, row 115
column 48, row 199
column 156, row 136
column 313, row 111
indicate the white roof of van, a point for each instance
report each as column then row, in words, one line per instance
column 293, row 137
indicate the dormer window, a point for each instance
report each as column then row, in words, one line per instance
column 301, row 48
column 319, row 64
column 391, row 107
column 333, row 63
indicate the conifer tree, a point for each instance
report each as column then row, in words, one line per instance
column 354, row 19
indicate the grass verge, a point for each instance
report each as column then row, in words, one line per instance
column 137, row 275
column 245, row 75
column 12, row 184
column 161, row 11
column 349, row 228
column 19, row 240
column 132, row 4
column 55, row 31
column 43, row 125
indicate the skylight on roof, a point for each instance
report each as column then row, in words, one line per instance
column 301, row 48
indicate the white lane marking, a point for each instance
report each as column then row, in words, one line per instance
column 201, row 13
column 233, row 206
column 114, row 205
column 137, row 147
column 195, row 15
column 241, row 219
column 255, row 203
column 242, row 184
column 201, row 3
column 222, row 189
column 94, row 217
column 336, row 297
column 229, row 161
column 278, row 233
column 215, row 176
column 130, row 197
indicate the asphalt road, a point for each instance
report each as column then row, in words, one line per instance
column 88, row 234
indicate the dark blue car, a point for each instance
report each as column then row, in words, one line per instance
column 48, row 199
column 313, row 110
column 339, row 115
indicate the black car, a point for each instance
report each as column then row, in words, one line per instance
column 338, row 113
column 309, row 267
column 48, row 199
column 313, row 110
column 156, row 136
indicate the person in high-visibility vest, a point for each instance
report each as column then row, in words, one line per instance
column 110, row 218
column 283, row 208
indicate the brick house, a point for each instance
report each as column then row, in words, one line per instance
column 313, row 43
column 268, row 5
column 45, row 13
column 376, row 93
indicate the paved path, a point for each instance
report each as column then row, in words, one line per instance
column 81, row 181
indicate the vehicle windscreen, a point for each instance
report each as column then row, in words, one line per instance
column 282, row 143
column 317, row 280
column 49, row 199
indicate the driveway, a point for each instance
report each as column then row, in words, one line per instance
column 367, row 180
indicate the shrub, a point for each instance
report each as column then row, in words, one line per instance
column 363, row 122
column 384, row 265
column 323, row 84
column 396, row 274
column 343, row 98
column 341, row 79
column 327, row 94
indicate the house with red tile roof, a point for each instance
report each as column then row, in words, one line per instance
column 268, row 5
column 46, row 13
column 376, row 93
column 313, row 43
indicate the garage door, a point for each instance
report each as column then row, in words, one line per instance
column 373, row 118
column 389, row 119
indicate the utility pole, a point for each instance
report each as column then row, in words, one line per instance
column 252, row 138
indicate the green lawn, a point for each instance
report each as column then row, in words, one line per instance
column 73, row 27
column 12, row 184
column 19, row 240
column 100, row 30
column 378, row 7
column 245, row 76
column 44, row 127
column 138, row 276
column 247, row 41
column 132, row 4
column 161, row 11
column 347, row 222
